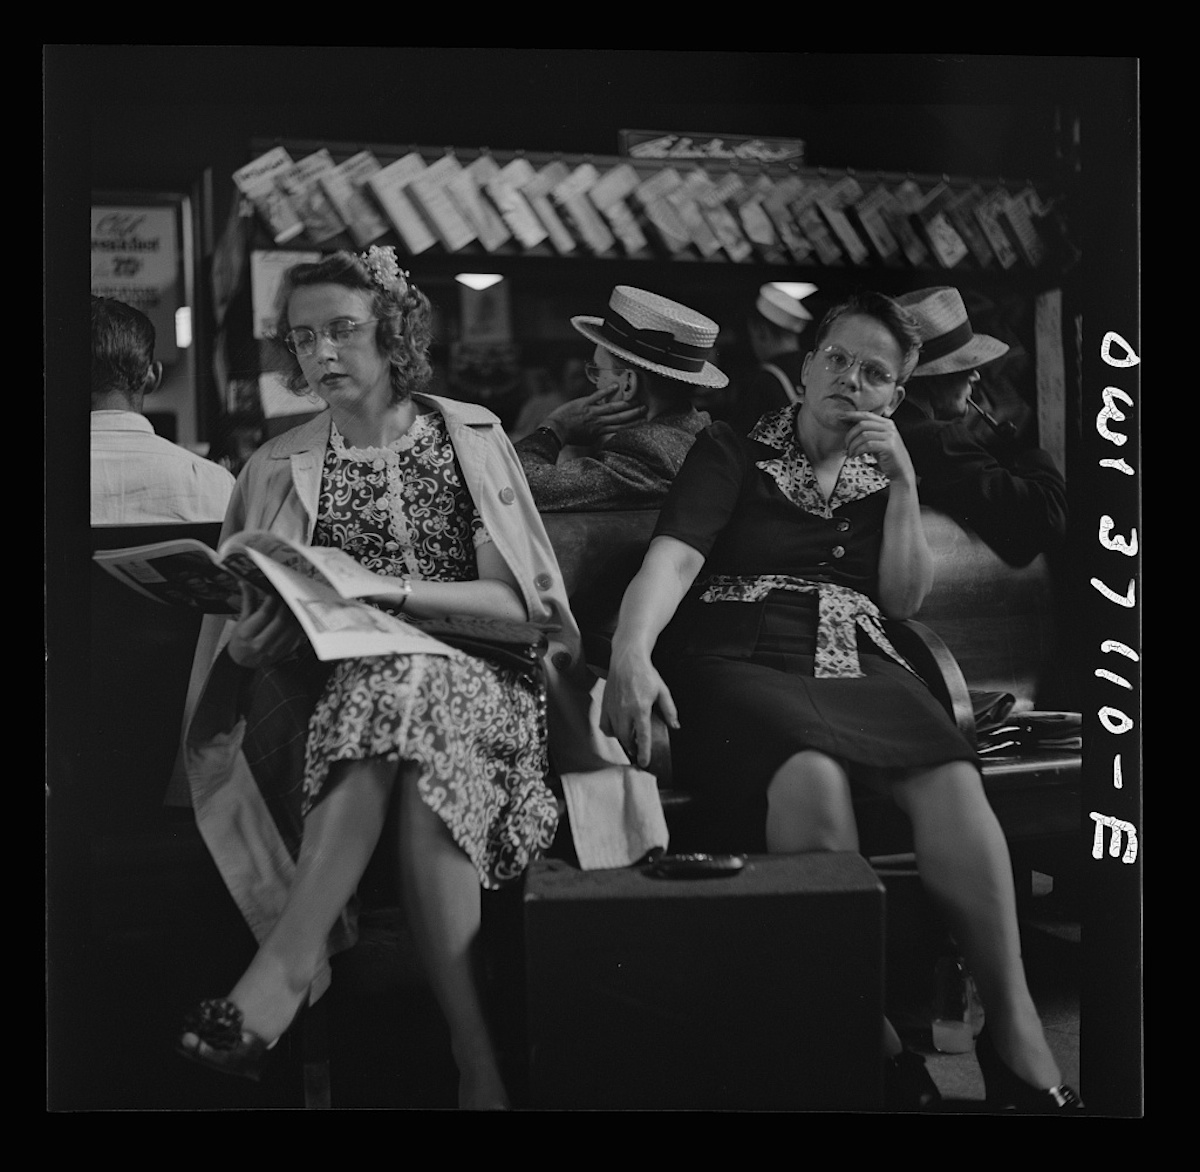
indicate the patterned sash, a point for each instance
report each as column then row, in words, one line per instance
column 840, row 613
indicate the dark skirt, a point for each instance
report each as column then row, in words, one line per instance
column 741, row 674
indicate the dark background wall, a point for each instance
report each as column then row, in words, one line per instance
column 157, row 114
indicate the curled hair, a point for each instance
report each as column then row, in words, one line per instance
column 122, row 346
column 890, row 314
column 404, row 330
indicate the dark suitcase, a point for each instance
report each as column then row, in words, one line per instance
column 761, row 990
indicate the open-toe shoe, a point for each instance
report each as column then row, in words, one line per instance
column 214, row 1035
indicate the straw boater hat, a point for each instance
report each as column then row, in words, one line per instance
column 782, row 309
column 948, row 344
column 661, row 335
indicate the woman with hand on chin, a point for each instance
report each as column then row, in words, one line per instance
column 429, row 491
column 755, row 628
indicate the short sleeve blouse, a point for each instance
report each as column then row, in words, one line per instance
column 752, row 507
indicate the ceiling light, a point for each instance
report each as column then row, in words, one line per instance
column 797, row 289
column 479, row 281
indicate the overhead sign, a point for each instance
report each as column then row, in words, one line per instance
column 728, row 148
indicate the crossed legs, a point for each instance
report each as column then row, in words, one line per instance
column 963, row 861
column 442, row 899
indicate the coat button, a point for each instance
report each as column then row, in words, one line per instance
column 507, row 496
column 842, row 525
column 543, row 581
column 561, row 660
column 838, row 551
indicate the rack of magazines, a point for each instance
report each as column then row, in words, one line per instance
column 482, row 202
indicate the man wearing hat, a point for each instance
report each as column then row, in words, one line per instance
column 774, row 327
column 651, row 356
column 1014, row 498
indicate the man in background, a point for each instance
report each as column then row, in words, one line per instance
column 773, row 327
column 1011, row 494
column 651, row 355
column 137, row 476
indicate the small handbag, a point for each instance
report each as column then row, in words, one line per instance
column 503, row 642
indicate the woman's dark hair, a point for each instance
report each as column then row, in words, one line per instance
column 122, row 346
column 403, row 332
column 889, row 313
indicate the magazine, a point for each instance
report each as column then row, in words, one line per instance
column 256, row 181
column 429, row 192
column 344, row 187
column 389, row 185
column 326, row 589
column 301, row 183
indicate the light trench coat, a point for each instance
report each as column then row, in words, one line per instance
column 278, row 490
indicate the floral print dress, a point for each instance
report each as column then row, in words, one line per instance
column 476, row 731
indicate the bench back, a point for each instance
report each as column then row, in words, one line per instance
column 599, row 553
column 999, row 621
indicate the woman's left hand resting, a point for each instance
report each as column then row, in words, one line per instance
column 265, row 632
column 631, row 693
column 877, row 435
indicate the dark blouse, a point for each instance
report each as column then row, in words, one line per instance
column 751, row 505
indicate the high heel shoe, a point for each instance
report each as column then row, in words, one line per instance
column 214, row 1035
column 1005, row 1091
column 908, row 1085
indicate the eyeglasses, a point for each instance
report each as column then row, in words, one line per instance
column 303, row 342
column 875, row 374
column 593, row 372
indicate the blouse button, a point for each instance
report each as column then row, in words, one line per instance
column 838, row 551
column 507, row 496
column 561, row 660
column 543, row 581
column 842, row 525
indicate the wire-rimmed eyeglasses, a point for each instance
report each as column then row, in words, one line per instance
column 875, row 374
column 302, row 341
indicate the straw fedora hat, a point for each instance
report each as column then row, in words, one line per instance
column 782, row 309
column 658, row 334
column 948, row 344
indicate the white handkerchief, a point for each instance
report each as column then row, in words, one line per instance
column 616, row 815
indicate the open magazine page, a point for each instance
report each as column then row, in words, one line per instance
column 341, row 628
column 332, row 567
column 179, row 573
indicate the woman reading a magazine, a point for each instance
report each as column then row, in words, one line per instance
column 427, row 491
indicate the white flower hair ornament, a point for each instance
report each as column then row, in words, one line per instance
column 385, row 270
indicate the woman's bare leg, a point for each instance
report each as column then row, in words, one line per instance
column 963, row 860
column 340, row 835
column 443, row 904
column 809, row 806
